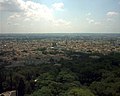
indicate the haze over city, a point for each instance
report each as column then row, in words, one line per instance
column 59, row 16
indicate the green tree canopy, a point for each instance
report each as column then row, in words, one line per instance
column 44, row 91
column 79, row 92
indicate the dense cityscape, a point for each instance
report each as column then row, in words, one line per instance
column 17, row 51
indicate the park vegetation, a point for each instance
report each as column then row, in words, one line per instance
column 83, row 75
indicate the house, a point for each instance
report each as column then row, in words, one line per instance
column 9, row 93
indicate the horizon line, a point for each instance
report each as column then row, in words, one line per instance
column 60, row 33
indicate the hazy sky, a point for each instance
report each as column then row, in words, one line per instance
column 59, row 16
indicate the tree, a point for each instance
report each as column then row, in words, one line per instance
column 2, row 79
column 66, row 76
column 1, row 87
column 21, row 88
column 79, row 92
column 44, row 91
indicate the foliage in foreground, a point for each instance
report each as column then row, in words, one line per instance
column 82, row 76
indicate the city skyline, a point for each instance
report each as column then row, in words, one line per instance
column 59, row 16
